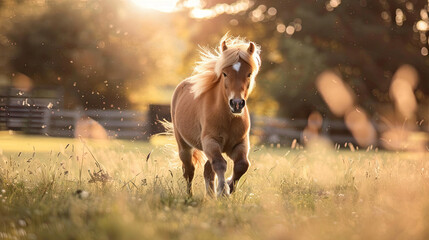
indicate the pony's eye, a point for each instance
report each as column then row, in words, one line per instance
column 224, row 74
column 250, row 74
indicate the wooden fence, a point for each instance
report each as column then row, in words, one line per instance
column 118, row 124
column 63, row 123
column 139, row 126
column 44, row 115
column 21, row 110
column 280, row 130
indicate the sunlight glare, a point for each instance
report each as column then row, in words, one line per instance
column 159, row 5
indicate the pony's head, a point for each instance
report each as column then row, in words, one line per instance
column 238, row 64
column 234, row 66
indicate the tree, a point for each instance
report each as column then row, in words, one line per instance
column 363, row 41
column 89, row 49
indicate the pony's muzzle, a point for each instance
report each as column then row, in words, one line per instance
column 237, row 105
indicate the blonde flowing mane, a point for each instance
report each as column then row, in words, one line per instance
column 208, row 70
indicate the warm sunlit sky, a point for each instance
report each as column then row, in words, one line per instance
column 160, row 5
column 196, row 6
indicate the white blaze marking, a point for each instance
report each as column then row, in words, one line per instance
column 231, row 96
column 236, row 66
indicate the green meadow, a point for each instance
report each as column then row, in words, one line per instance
column 55, row 188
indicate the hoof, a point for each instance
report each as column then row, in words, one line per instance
column 189, row 191
column 223, row 191
column 210, row 193
column 231, row 186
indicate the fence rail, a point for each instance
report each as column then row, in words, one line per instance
column 36, row 115
column 118, row 124
column 279, row 130
column 40, row 112
column 37, row 119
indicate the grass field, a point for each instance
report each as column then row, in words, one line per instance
column 47, row 192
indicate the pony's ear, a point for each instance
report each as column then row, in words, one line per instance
column 223, row 46
column 251, row 48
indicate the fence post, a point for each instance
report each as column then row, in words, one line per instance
column 325, row 125
column 76, row 116
column 46, row 121
column 156, row 113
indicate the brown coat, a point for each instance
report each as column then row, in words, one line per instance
column 209, row 114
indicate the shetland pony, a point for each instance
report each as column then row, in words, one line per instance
column 209, row 113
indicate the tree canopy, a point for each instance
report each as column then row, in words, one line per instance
column 108, row 54
column 365, row 42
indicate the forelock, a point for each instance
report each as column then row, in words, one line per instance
column 232, row 55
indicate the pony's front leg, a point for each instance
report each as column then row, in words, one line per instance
column 213, row 151
column 209, row 176
column 241, row 163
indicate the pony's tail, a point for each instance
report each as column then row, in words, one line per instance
column 169, row 128
column 198, row 157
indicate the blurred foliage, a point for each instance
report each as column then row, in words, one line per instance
column 360, row 40
column 88, row 48
column 110, row 54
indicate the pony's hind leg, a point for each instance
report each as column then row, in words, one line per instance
column 185, row 154
column 209, row 176
column 188, row 168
